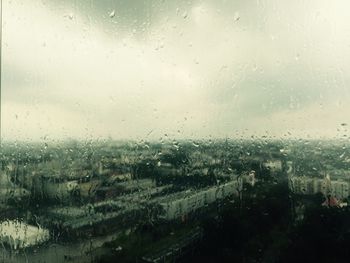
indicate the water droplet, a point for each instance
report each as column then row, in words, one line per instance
column 236, row 16
column 112, row 14
column 297, row 56
column 255, row 67
column 185, row 15
column 195, row 144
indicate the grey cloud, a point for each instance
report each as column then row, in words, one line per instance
column 202, row 67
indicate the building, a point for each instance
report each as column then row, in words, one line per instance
column 308, row 185
column 11, row 191
column 179, row 247
column 19, row 235
column 273, row 165
column 182, row 203
column 54, row 187
column 340, row 189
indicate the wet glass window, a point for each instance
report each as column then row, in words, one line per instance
column 174, row 131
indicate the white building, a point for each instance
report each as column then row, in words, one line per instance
column 183, row 203
column 308, row 185
column 19, row 235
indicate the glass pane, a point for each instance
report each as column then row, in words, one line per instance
column 174, row 131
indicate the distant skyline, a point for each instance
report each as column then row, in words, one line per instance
column 175, row 69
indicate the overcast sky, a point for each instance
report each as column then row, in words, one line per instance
column 188, row 69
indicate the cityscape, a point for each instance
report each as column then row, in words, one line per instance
column 175, row 201
column 174, row 131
